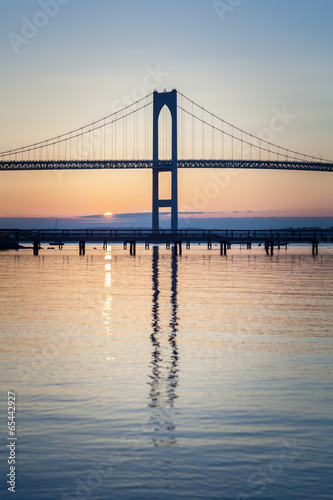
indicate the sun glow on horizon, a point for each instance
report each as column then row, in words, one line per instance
column 107, row 214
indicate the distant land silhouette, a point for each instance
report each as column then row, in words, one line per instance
column 186, row 221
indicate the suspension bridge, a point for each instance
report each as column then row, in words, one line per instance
column 140, row 136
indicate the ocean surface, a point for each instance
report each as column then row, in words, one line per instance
column 168, row 377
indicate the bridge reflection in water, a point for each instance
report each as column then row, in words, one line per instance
column 165, row 359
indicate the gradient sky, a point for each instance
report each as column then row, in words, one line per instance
column 242, row 64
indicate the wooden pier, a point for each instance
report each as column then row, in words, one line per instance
column 224, row 238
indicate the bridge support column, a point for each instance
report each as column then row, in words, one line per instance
column 105, row 245
column 82, row 247
column 168, row 99
column 36, row 247
column 209, row 245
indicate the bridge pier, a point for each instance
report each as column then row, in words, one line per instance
column 188, row 245
column 82, row 247
column 105, row 245
column 209, row 245
column 36, row 247
column 147, row 245
column 167, row 245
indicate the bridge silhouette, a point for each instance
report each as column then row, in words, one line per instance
column 133, row 138
column 117, row 141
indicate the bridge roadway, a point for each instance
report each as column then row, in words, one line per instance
column 269, row 238
column 164, row 164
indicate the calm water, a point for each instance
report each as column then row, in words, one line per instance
column 162, row 377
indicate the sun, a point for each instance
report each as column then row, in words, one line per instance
column 107, row 214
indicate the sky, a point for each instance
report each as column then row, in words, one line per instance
column 244, row 60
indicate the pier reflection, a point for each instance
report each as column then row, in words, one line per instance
column 165, row 359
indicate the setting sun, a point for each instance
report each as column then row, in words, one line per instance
column 107, row 214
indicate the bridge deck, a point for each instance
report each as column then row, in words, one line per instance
column 164, row 164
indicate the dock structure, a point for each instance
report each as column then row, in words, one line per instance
column 223, row 238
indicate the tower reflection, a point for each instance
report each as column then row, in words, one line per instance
column 165, row 358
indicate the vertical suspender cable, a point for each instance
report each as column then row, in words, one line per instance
column 111, row 140
column 134, row 135
column 193, row 133
column 115, row 138
column 93, row 141
column 241, row 144
column 104, row 158
column 123, row 137
column 137, row 130
column 222, row 140
column 213, row 137
column 203, row 135
column 145, row 133
column 125, row 134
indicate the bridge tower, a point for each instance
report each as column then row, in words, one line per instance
column 168, row 99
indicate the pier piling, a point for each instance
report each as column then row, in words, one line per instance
column 82, row 247
column 314, row 247
column 36, row 247
column 133, row 248
column 178, row 247
column 223, row 248
column 269, row 246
